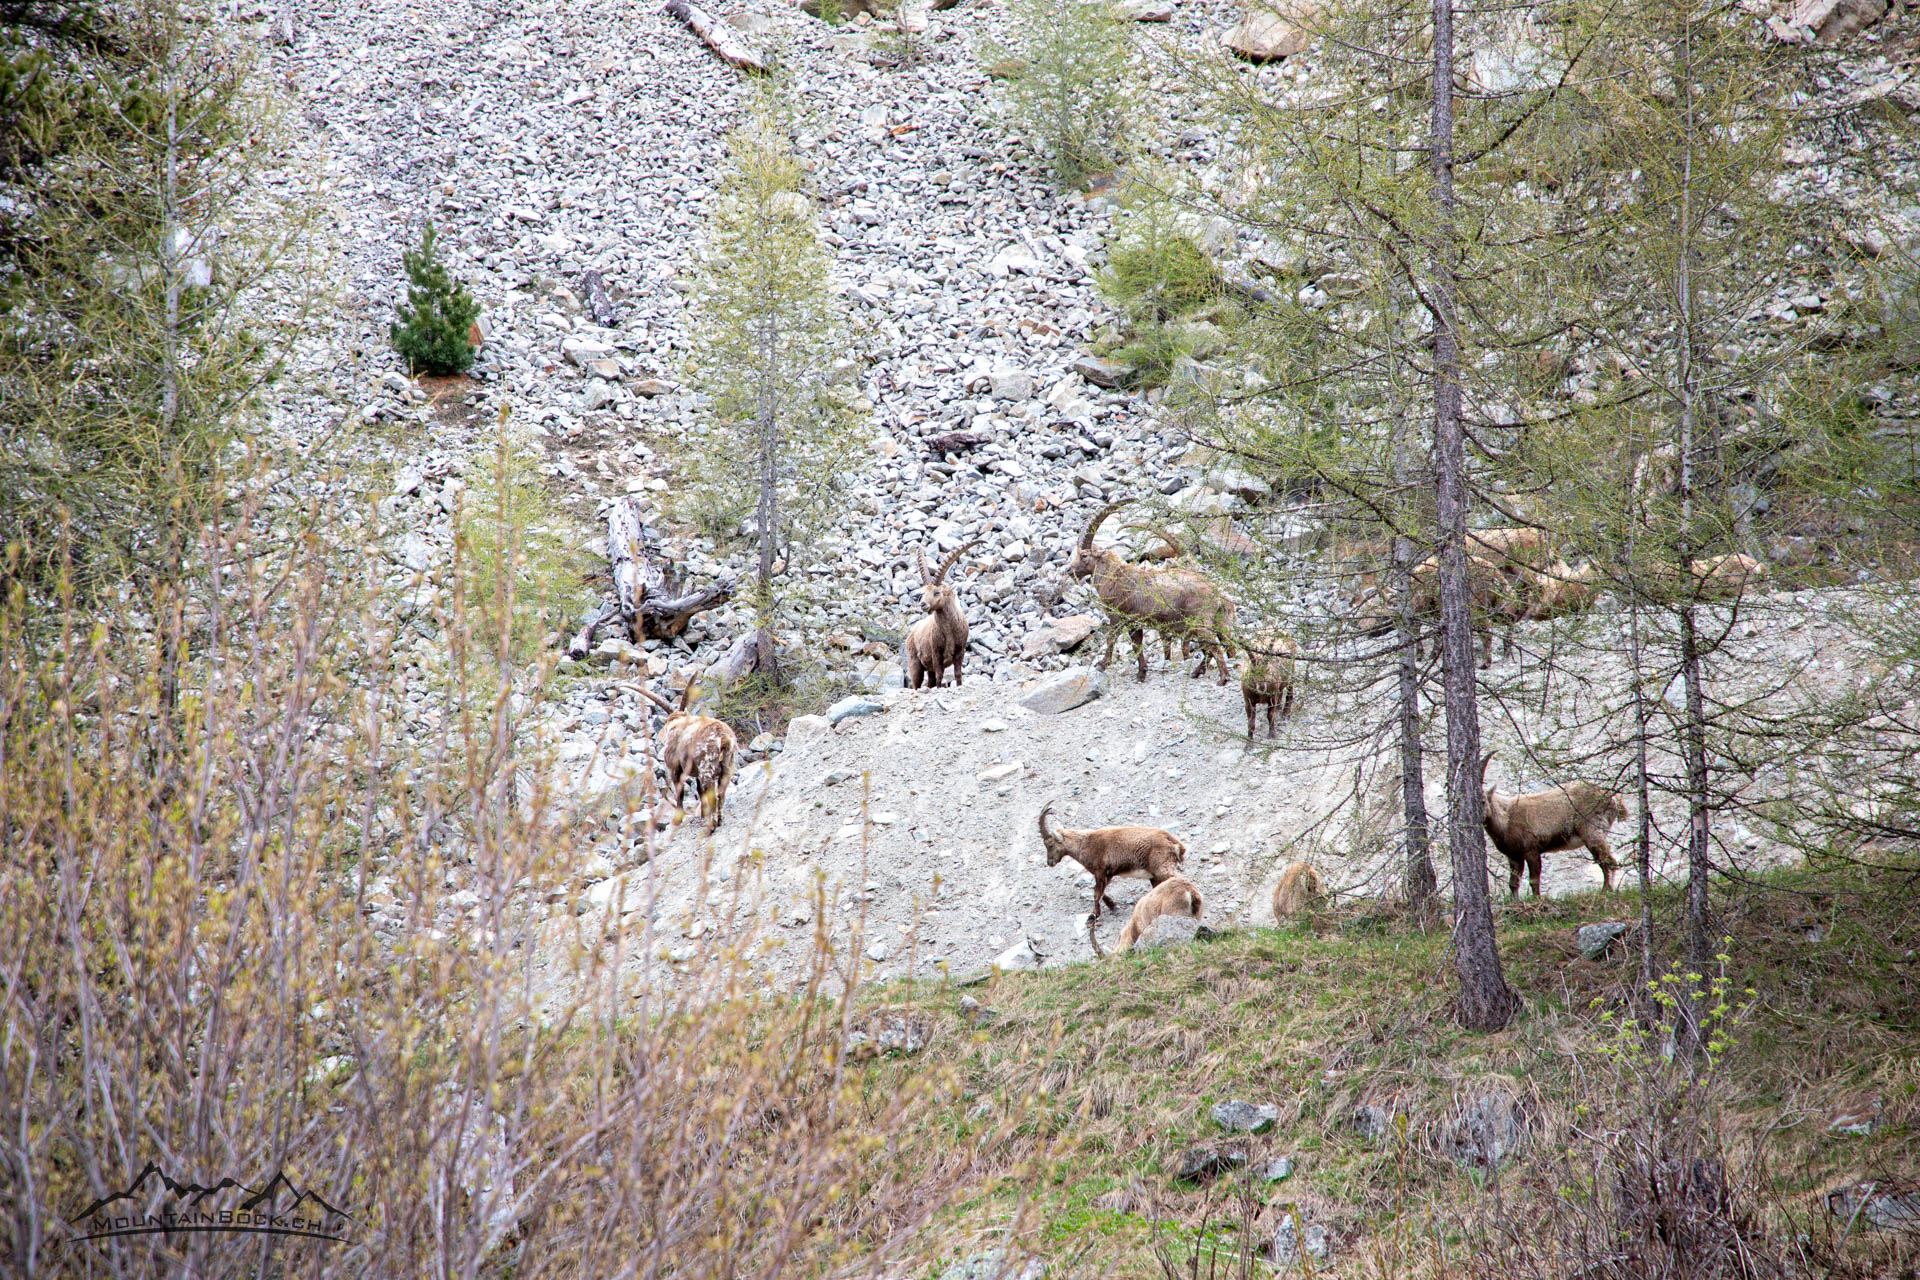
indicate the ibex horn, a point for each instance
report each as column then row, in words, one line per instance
column 948, row 562
column 1168, row 539
column 1086, row 539
column 657, row 700
column 1483, row 768
column 921, row 555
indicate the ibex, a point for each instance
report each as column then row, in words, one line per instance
column 1728, row 577
column 939, row 640
column 1110, row 852
column 1558, row 590
column 1174, row 602
column 696, row 748
column 1523, row 827
column 1268, row 678
column 1177, row 896
column 1299, row 888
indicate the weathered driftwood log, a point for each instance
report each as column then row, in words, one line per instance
column 650, row 599
column 720, row 37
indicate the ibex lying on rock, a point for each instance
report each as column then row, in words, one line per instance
column 696, row 748
column 939, row 640
column 1178, row 896
column 1559, row 589
column 1111, row 852
column 1516, row 545
column 1268, row 678
column 1299, row 888
column 1175, row 602
column 1523, row 827
column 1728, row 577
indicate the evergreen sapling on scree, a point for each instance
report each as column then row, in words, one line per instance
column 433, row 330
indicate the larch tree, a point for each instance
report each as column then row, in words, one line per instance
column 771, row 350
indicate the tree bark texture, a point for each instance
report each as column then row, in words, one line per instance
column 649, row 598
column 719, row 37
column 1486, row 1003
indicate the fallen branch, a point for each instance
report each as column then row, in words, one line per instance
column 722, row 39
column 648, row 594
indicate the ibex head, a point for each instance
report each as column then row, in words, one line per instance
column 935, row 594
column 1085, row 559
column 1056, row 847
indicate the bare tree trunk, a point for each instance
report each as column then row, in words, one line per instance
column 1420, row 882
column 767, row 510
column 1643, row 833
column 1688, row 1035
column 1689, row 1031
column 1486, row 1003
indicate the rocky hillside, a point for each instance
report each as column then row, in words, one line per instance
column 576, row 146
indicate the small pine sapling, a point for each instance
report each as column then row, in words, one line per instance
column 433, row 332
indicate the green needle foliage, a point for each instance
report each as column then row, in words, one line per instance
column 434, row 327
column 1072, row 96
column 136, row 245
column 770, row 344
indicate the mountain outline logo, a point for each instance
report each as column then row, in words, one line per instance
column 186, row 1206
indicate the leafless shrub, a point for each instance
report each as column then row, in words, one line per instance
column 309, row 910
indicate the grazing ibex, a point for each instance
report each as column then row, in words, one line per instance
column 1523, row 827
column 1175, row 602
column 1299, row 888
column 698, row 749
column 939, row 640
column 1178, row 896
column 1110, row 852
column 1268, row 678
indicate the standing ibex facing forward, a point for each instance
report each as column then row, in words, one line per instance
column 699, row 749
column 1174, row 602
column 939, row 640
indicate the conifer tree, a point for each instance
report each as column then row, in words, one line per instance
column 770, row 348
column 433, row 333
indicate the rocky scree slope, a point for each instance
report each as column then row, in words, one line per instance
column 587, row 136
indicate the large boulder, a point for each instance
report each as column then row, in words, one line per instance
column 1065, row 690
column 1486, row 1130
column 1266, row 33
column 1826, row 21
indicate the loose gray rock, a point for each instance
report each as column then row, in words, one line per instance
column 1074, row 687
column 853, row 706
column 996, row 1266
column 1489, row 1128
column 1856, row 1125
column 1289, row 1240
column 1100, row 372
column 888, row 1033
column 1369, row 1121
column 1204, row 1164
column 1278, row 1170
column 1594, row 939
column 1245, row 1117
column 1880, row 1210
column 1173, row 931
column 975, row 1013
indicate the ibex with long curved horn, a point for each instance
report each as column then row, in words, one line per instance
column 1110, row 852
column 939, row 640
column 1174, row 602
column 696, row 748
